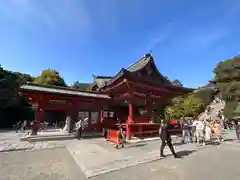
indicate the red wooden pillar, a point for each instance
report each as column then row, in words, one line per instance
column 38, row 118
column 89, row 120
column 100, row 119
column 130, row 119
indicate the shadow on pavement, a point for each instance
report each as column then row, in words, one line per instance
column 93, row 137
column 183, row 153
column 136, row 145
column 229, row 140
column 180, row 154
column 178, row 143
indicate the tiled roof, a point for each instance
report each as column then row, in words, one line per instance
column 101, row 80
column 140, row 64
column 144, row 62
column 60, row 90
column 83, row 86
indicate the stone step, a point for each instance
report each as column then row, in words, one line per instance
column 58, row 136
column 49, row 138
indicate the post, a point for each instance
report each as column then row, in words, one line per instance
column 38, row 115
column 89, row 120
column 130, row 109
column 130, row 119
column 100, row 119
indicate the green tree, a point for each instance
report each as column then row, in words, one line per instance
column 227, row 77
column 205, row 94
column 50, row 77
column 184, row 107
column 12, row 106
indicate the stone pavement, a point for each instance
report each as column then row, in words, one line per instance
column 97, row 156
column 99, row 159
column 10, row 141
column 94, row 159
column 47, row 164
column 211, row 163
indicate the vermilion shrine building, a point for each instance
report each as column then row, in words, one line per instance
column 128, row 97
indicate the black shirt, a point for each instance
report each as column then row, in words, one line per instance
column 164, row 134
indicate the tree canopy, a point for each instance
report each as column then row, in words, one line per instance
column 227, row 77
column 205, row 94
column 184, row 107
column 50, row 77
column 12, row 106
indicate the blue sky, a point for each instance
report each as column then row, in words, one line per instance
column 81, row 38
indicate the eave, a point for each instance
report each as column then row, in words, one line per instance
column 35, row 88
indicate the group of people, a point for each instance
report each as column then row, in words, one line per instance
column 194, row 131
column 26, row 125
column 201, row 131
column 22, row 126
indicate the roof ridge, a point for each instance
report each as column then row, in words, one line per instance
column 142, row 58
column 57, row 87
column 107, row 77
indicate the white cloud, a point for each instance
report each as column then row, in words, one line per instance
column 55, row 14
column 76, row 15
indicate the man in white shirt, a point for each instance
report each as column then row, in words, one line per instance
column 79, row 128
column 199, row 130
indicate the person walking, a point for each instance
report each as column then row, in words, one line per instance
column 238, row 131
column 105, row 129
column 166, row 139
column 186, row 135
column 193, row 131
column 199, row 131
column 24, row 125
column 207, row 131
column 121, row 137
column 218, row 131
column 18, row 126
column 79, row 128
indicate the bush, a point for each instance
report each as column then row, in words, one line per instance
column 229, row 109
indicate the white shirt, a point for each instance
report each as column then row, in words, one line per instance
column 198, row 124
column 80, row 124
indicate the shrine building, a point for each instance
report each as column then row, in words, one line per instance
column 129, row 98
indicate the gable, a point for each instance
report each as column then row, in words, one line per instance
column 148, row 72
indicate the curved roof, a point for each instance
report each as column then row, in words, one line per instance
column 140, row 64
column 144, row 70
column 31, row 87
column 101, row 81
column 143, row 63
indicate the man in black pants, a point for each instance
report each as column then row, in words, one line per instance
column 166, row 139
column 79, row 128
